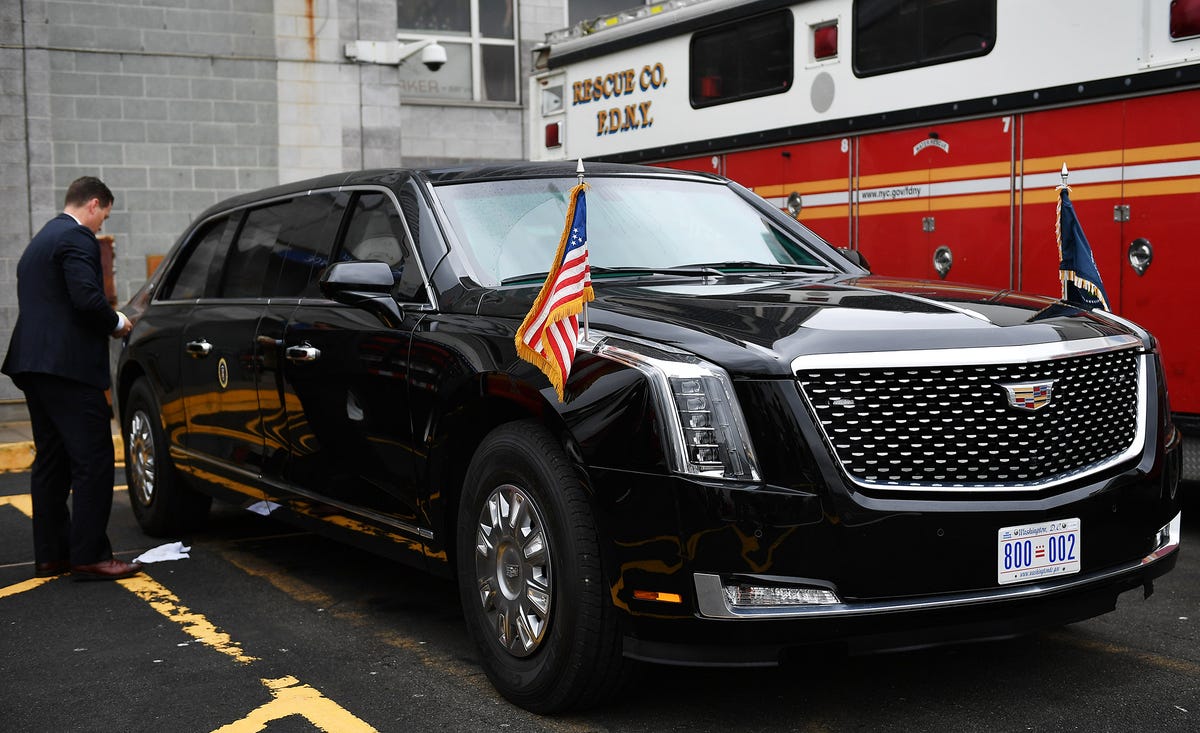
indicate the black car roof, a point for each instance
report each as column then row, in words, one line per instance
column 394, row 177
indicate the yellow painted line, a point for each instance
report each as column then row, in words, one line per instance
column 293, row 698
column 1160, row 153
column 837, row 211
column 306, row 593
column 21, row 502
column 823, row 186
column 290, row 697
column 918, row 176
column 1161, row 188
column 18, row 456
column 23, row 586
column 427, row 656
column 1167, row 187
column 1074, row 161
column 193, row 624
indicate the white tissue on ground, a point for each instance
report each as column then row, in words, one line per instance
column 263, row 507
column 169, row 551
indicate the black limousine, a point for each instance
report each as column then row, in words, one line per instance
column 761, row 446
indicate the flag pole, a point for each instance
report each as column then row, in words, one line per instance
column 586, row 337
column 1064, row 175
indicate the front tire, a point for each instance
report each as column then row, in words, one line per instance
column 529, row 574
column 162, row 505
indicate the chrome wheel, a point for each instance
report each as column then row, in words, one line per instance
column 512, row 567
column 141, row 457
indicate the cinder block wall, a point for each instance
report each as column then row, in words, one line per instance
column 177, row 104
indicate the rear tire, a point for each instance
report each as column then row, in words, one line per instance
column 533, row 594
column 162, row 505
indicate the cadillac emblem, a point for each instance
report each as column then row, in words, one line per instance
column 1029, row 395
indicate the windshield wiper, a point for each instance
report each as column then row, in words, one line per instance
column 683, row 270
column 531, row 277
column 706, row 269
column 678, row 270
column 771, row 266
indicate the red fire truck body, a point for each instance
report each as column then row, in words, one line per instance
column 938, row 162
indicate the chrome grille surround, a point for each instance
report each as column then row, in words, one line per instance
column 938, row 420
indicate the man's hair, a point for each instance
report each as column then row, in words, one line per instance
column 86, row 188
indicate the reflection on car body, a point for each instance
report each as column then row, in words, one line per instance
column 761, row 445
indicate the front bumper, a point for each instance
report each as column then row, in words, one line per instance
column 737, row 638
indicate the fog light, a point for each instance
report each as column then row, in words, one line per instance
column 1167, row 540
column 758, row 596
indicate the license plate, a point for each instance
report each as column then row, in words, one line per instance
column 1033, row 551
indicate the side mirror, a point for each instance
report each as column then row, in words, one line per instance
column 366, row 285
column 855, row 257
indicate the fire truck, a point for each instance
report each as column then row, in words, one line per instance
column 929, row 136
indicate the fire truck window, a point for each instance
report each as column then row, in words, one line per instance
column 892, row 35
column 741, row 60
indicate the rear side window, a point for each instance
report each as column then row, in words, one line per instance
column 200, row 262
column 892, row 35
column 749, row 58
column 375, row 232
column 282, row 248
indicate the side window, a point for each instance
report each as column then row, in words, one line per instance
column 282, row 248
column 375, row 233
column 192, row 275
column 742, row 60
column 892, row 35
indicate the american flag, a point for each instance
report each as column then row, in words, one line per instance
column 548, row 335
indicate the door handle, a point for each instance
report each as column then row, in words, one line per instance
column 302, row 353
column 1141, row 254
column 198, row 349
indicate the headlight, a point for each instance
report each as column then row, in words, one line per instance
column 706, row 429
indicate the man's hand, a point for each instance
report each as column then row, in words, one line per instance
column 124, row 326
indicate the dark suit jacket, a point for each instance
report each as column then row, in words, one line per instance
column 65, row 321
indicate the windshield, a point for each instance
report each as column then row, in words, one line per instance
column 512, row 227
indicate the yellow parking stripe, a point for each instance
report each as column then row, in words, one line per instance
column 18, row 456
column 193, row 624
column 293, row 698
column 21, row 502
column 23, row 586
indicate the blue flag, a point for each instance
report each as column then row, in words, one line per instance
column 1081, row 284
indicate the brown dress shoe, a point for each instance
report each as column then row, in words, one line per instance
column 110, row 569
column 50, row 569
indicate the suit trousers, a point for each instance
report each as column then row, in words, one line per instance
column 72, row 435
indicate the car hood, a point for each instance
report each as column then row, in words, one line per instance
column 754, row 325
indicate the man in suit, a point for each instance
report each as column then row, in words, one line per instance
column 58, row 357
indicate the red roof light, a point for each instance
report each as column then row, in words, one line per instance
column 1185, row 18
column 825, row 42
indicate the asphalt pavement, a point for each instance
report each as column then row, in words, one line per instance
column 262, row 627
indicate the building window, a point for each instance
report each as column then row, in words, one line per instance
column 740, row 60
column 480, row 38
column 892, row 35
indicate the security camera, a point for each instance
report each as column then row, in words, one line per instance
column 433, row 56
